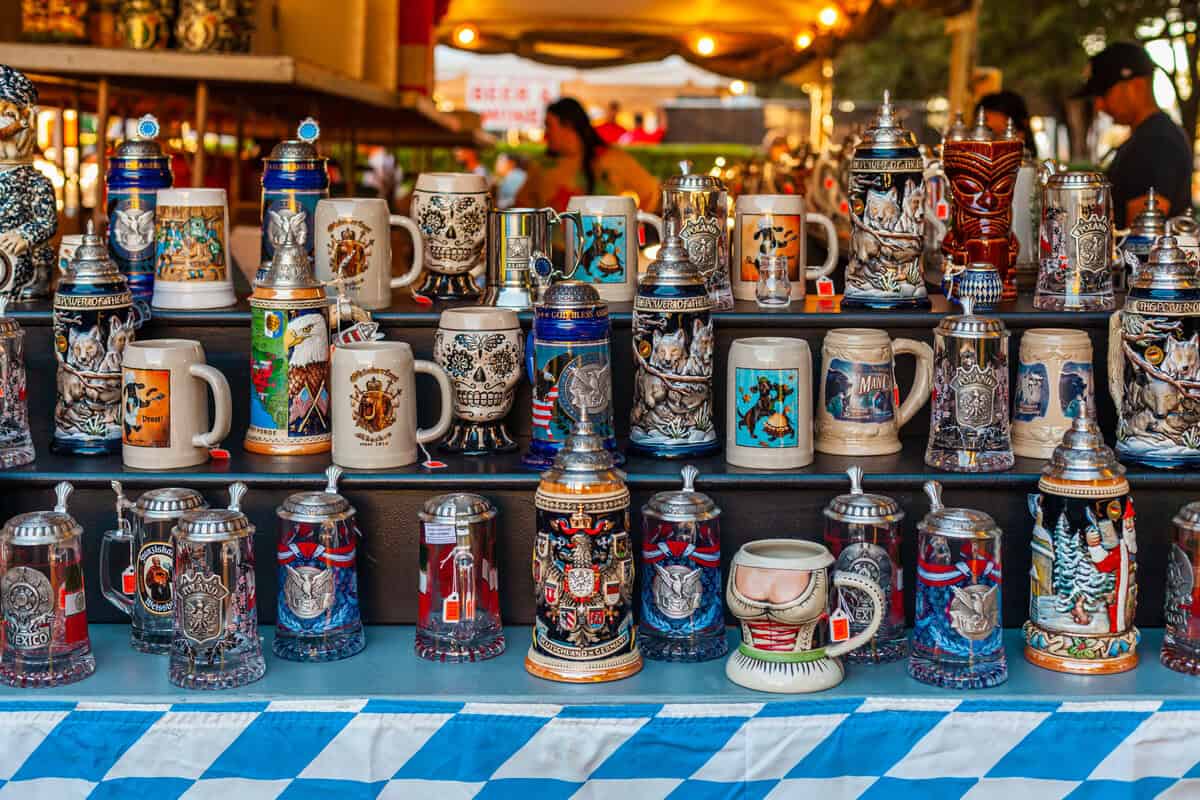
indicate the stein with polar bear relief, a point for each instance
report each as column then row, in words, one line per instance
column 137, row 171
column 1054, row 383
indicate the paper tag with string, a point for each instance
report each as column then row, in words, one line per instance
column 430, row 462
column 128, row 580
column 824, row 287
column 839, row 626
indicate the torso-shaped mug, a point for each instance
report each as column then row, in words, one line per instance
column 769, row 403
column 354, row 243
column 375, row 405
column 859, row 412
column 164, row 411
column 191, row 250
column 451, row 209
column 609, row 257
column 775, row 224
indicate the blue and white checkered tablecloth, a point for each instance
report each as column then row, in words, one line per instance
column 827, row 749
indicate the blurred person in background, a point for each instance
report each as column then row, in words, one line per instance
column 609, row 130
column 510, row 175
column 999, row 108
column 639, row 134
column 468, row 161
column 579, row 162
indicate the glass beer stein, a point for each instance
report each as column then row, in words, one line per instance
column 216, row 643
column 41, row 595
column 1181, row 639
column 145, row 593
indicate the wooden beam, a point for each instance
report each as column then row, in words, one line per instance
column 201, row 129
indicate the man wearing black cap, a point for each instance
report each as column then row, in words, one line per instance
column 1157, row 152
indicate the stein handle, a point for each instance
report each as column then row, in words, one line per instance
column 418, row 261
column 812, row 273
column 922, row 380
column 222, row 405
column 120, row 600
column 576, row 220
column 852, row 580
column 653, row 220
column 1116, row 362
column 426, row 435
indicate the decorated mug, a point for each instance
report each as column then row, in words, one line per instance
column 773, row 225
column 609, row 256
column 191, row 250
column 769, row 403
column 451, row 210
column 354, row 244
column 1055, row 381
column 481, row 348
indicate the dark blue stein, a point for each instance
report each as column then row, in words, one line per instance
column 136, row 172
column 569, row 364
column 294, row 179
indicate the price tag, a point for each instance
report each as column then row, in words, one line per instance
column 440, row 533
column 72, row 603
column 942, row 209
column 451, row 608
column 433, row 463
column 218, row 454
column 824, row 287
column 839, row 626
column 128, row 581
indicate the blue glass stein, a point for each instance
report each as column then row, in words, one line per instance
column 136, row 172
column 295, row 178
column 682, row 613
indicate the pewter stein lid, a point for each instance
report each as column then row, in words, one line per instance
column 583, row 456
column 955, row 523
column 1167, row 269
column 957, row 132
column 9, row 327
column 672, row 265
column 1183, row 225
column 1077, row 179
column 969, row 325
column 886, row 131
column 571, row 294
column 161, row 504
column 318, row 506
column 688, row 181
column 92, row 259
column 217, row 524
column 291, row 267
column 1188, row 517
column 1150, row 221
column 1083, row 465
column 144, row 144
column 683, row 505
column 44, row 527
column 981, row 132
column 302, row 148
column 459, row 508
column 861, row 507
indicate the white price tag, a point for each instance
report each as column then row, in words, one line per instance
column 440, row 533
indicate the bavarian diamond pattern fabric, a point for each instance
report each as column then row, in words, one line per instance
column 884, row 748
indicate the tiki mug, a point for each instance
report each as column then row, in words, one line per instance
column 682, row 616
column 145, row 24
column 481, row 348
column 1083, row 592
column 145, row 593
column 609, row 256
column 458, row 600
column 859, row 412
column 28, row 211
column 957, row 640
column 982, row 171
column 779, row 590
column 215, row 643
column 697, row 208
column 136, row 172
column 16, row 445
column 1181, row 639
column 776, row 225
column 42, row 598
column 768, row 403
column 451, row 209
column 863, row 533
column 1054, row 384
column 317, row 557
column 1076, row 244
column 294, row 180
column 354, row 244
column 192, row 266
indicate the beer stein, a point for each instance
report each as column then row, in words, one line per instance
column 1181, row 639
column 937, row 214
column 145, row 592
column 887, row 214
column 215, row 644
column 214, row 26
column 136, row 171
column 481, row 348
column 768, row 403
column 776, row 225
column 857, row 413
column 518, row 252
column 609, row 257
column 957, row 639
column 1147, row 226
column 1027, row 217
column 779, row 591
column 1186, row 231
column 42, row 598
column 145, row 24
column 862, row 531
column 682, row 616
column 1076, row 244
column 67, row 245
column 294, row 180
column 451, row 209
column 317, row 557
column 458, row 599
column 697, row 208
column 1083, row 587
column 979, row 281
column 354, row 244
column 969, row 421
column 16, row 445
column 192, row 268
column 1054, row 383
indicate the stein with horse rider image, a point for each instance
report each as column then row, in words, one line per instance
column 609, row 258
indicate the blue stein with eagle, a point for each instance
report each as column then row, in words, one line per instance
column 136, row 172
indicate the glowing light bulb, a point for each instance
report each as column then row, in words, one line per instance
column 828, row 16
column 706, row 45
column 737, row 87
column 466, row 35
column 803, row 40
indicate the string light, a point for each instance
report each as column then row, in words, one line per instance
column 803, row 40
column 828, row 16
column 737, row 87
column 466, row 35
column 706, row 45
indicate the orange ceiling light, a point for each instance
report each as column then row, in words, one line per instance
column 828, row 16
column 803, row 40
column 466, row 35
column 705, row 46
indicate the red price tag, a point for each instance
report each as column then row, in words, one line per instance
column 128, row 581
column 433, row 464
column 839, row 626
column 824, row 287
column 218, row 454
column 450, row 609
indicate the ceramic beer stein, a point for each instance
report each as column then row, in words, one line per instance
column 609, row 256
column 164, row 413
column 857, row 412
column 192, row 267
column 16, row 444
column 354, row 243
column 776, row 225
column 779, row 590
column 768, row 403
column 481, row 348
column 375, row 405
column 979, row 280
column 67, row 246
column 1186, row 231
column 136, row 172
column 451, row 210
column 1181, row 639
column 295, row 177
column 1054, row 383
column 1076, row 244
column 1083, row 582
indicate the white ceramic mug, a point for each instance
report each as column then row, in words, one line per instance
column 451, row 209
column 354, row 243
column 164, row 410
column 375, row 405
column 66, row 250
column 191, row 250
column 776, row 224
column 1055, row 382
column 768, row 403
column 609, row 258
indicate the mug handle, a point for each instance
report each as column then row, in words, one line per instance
column 852, row 580
column 576, row 220
column 222, row 405
column 922, row 382
column 120, row 600
column 653, row 220
column 426, row 435
column 418, row 244
column 1116, row 363
column 831, row 258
